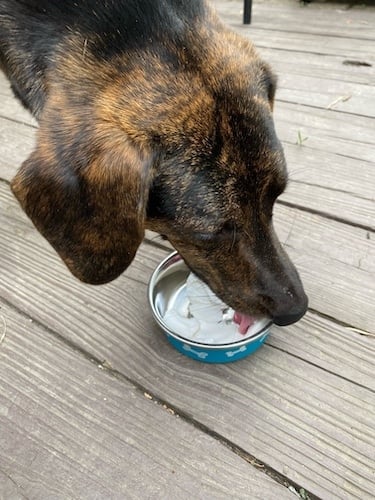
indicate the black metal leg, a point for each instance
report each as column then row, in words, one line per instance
column 247, row 11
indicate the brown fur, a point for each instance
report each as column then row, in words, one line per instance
column 177, row 138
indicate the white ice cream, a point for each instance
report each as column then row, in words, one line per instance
column 200, row 316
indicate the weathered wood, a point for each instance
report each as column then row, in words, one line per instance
column 336, row 348
column 334, row 68
column 71, row 430
column 339, row 204
column 289, row 413
column 333, row 172
column 8, row 489
column 311, row 235
column 327, row 130
column 353, row 22
column 335, row 281
column 354, row 98
column 348, row 48
column 267, row 37
column 10, row 108
column 330, row 183
column 16, row 143
column 299, row 419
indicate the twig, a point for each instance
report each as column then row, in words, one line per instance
column 342, row 98
column 361, row 332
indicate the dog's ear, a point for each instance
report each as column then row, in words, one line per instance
column 90, row 203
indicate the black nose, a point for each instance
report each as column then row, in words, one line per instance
column 288, row 319
column 283, row 317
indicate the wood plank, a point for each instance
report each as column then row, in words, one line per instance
column 313, row 90
column 301, row 420
column 311, row 166
column 331, row 22
column 331, row 346
column 350, row 48
column 330, row 265
column 327, row 130
column 304, row 422
column 16, row 143
column 315, row 236
column 331, row 67
column 333, row 202
column 17, row 131
column 350, row 197
column 10, row 107
column 70, row 429
column 316, row 43
column 9, row 489
column 354, row 21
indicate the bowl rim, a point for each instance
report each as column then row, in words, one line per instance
column 177, row 336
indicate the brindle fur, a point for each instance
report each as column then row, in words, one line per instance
column 152, row 115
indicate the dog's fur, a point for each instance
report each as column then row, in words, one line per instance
column 152, row 115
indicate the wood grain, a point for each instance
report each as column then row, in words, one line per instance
column 294, row 416
column 311, row 90
column 334, row 68
column 327, row 130
column 348, row 20
column 71, row 430
column 9, row 110
column 357, row 49
column 297, row 418
column 335, row 348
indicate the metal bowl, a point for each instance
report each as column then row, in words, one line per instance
column 166, row 288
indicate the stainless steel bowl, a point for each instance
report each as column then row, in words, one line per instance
column 166, row 289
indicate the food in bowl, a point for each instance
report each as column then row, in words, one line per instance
column 196, row 322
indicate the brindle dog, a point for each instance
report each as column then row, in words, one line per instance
column 152, row 115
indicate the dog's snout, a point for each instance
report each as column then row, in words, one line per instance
column 288, row 306
column 290, row 315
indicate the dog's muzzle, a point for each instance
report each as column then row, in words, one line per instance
column 291, row 314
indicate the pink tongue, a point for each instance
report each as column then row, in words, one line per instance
column 243, row 321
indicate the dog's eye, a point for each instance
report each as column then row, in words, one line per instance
column 225, row 232
column 204, row 237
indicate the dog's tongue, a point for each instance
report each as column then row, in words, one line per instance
column 243, row 321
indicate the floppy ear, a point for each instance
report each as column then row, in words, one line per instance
column 89, row 203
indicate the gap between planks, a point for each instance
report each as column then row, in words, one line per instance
column 136, row 351
column 164, row 404
column 56, row 348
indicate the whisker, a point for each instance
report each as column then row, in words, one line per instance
column 233, row 238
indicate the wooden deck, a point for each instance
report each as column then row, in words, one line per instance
column 95, row 404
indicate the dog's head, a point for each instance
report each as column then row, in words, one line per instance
column 182, row 143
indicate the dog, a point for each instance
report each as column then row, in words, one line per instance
column 152, row 115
